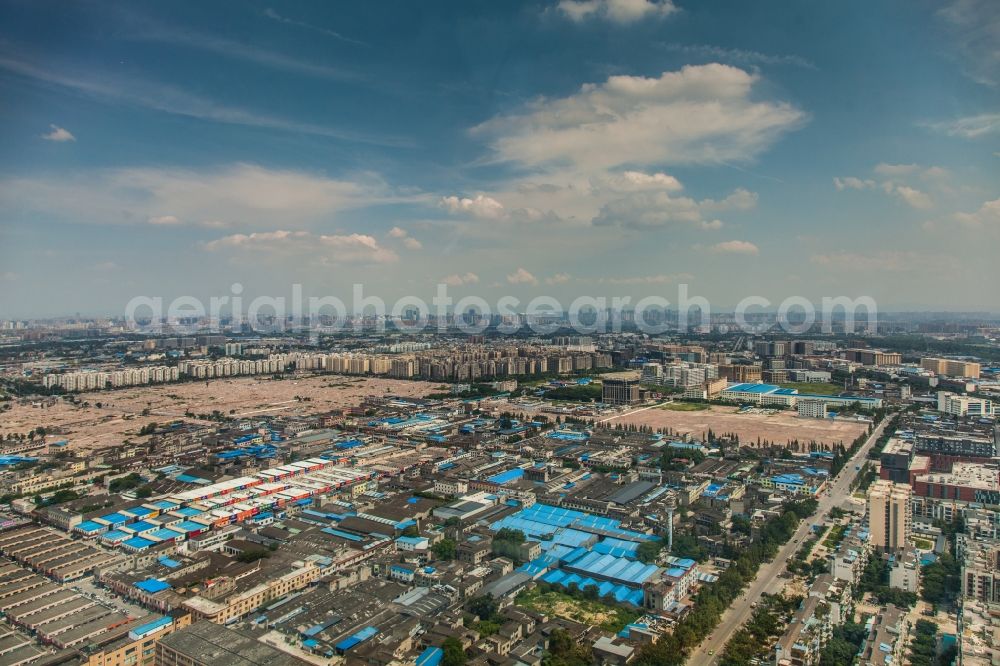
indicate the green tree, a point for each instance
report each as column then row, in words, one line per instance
column 444, row 549
column 484, row 607
column 454, row 655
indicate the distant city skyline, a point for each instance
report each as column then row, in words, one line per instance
column 568, row 148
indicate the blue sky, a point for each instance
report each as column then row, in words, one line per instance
column 581, row 147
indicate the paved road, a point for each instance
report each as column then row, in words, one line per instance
column 767, row 580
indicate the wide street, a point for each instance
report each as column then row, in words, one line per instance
column 768, row 580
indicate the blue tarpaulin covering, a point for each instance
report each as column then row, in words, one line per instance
column 152, row 586
column 432, row 656
column 354, row 639
column 507, row 477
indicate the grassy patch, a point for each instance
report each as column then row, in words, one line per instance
column 835, row 536
column 585, row 611
column 684, row 406
column 923, row 544
column 815, row 388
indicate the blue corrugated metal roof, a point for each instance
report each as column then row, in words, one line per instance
column 152, row 586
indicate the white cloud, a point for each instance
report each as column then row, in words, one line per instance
column 275, row 16
column 234, row 49
column 481, row 206
column 616, row 11
column 58, row 134
column 658, row 209
column 10, row 276
column 164, row 220
column 987, row 214
column 521, row 276
column 894, row 185
column 346, row 248
column 459, row 280
column 105, row 266
column 853, row 183
column 718, row 53
column 412, row 243
column 558, row 278
column 970, row 127
column 636, row 181
column 909, row 195
column 975, row 31
column 398, row 232
column 700, row 114
column 246, row 194
column 735, row 247
column 142, row 92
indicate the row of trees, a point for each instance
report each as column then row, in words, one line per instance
column 712, row 600
column 767, row 622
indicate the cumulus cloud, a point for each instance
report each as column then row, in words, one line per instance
column 459, row 280
column 853, row 183
column 909, row 195
column 987, row 214
column 659, row 209
column 521, row 276
column 895, row 182
column 616, row 11
column 480, row 206
column 637, row 181
column 485, row 207
column 247, row 194
column 558, row 278
column 349, row 248
column 735, row 247
column 700, row 114
column 403, row 235
column 58, row 134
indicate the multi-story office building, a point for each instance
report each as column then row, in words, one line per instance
column 620, row 388
column 963, row 405
column 874, row 357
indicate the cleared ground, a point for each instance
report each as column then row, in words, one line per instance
column 585, row 611
column 778, row 427
column 120, row 415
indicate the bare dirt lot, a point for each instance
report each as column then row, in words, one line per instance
column 120, row 414
column 779, row 427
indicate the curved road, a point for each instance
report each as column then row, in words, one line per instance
column 767, row 580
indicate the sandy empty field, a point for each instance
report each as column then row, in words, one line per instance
column 120, row 415
column 779, row 427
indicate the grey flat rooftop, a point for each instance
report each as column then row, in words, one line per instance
column 212, row 643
